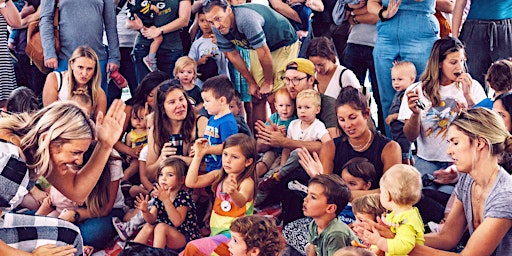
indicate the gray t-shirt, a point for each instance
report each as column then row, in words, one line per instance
column 497, row 205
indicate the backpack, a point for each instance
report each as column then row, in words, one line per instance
column 365, row 90
column 34, row 49
column 339, row 10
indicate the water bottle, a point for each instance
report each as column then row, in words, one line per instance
column 119, row 80
column 176, row 141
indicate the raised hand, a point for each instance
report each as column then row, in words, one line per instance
column 311, row 164
column 163, row 193
column 141, row 203
column 200, row 147
column 110, row 126
column 230, row 185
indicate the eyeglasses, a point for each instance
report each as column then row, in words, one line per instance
column 294, row 81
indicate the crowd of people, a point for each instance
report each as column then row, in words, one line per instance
column 192, row 162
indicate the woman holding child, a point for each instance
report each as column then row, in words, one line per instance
column 359, row 139
column 482, row 203
column 51, row 144
column 427, row 110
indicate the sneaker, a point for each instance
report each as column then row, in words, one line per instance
column 295, row 185
column 121, row 229
column 268, row 183
column 150, row 63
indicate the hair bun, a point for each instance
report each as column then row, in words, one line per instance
column 81, row 91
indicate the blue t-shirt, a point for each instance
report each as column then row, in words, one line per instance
column 217, row 131
column 276, row 119
column 490, row 10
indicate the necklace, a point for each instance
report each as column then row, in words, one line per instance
column 361, row 147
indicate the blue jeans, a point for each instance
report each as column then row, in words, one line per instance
column 407, row 36
column 165, row 60
column 97, row 232
column 359, row 59
column 486, row 42
column 63, row 66
column 429, row 167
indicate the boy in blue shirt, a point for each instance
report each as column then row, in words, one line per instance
column 217, row 93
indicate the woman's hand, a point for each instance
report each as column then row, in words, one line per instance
column 167, row 151
column 466, row 84
column 412, row 97
column 151, row 32
column 359, row 227
column 200, row 147
column 111, row 67
column 141, row 203
column 53, row 250
column 311, row 165
column 392, row 9
column 46, row 205
column 110, row 126
column 446, row 176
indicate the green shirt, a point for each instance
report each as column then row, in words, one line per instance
column 335, row 236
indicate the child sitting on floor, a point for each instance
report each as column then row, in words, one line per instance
column 254, row 235
column 400, row 189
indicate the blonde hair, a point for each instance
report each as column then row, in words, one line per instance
column 54, row 125
column 83, row 98
column 368, row 204
column 311, row 94
column 181, row 63
column 486, row 124
column 94, row 85
column 405, row 66
column 403, row 182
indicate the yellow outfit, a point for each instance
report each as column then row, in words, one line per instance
column 409, row 229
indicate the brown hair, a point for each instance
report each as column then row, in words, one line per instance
column 368, row 204
column 335, row 190
column 259, row 232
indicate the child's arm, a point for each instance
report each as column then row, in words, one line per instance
column 128, row 141
column 402, row 244
column 243, row 194
column 144, row 179
column 311, row 250
column 176, row 215
column 391, row 118
column 46, row 207
column 284, row 156
column 141, row 203
column 193, row 179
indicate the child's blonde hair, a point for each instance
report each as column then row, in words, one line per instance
column 82, row 98
column 403, row 183
column 368, row 204
column 311, row 94
column 406, row 66
column 283, row 92
column 182, row 62
column 353, row 251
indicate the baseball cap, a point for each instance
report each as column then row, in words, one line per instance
column 303, row 65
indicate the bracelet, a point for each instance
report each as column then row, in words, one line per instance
column 161, row 30
column 380, row 14
column 354, row 20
